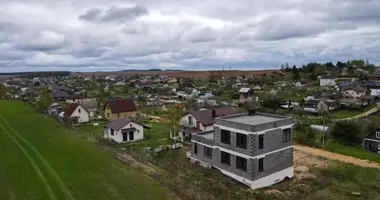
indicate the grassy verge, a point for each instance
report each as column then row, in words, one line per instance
column 356, row 152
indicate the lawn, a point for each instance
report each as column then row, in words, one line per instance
column 356, row 152
column 156, row 136
column 48, row 161
column 341, row 114
column 97, row 131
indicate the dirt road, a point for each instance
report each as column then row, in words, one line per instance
column 339, row 157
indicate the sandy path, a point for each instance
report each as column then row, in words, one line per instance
column 339, row 157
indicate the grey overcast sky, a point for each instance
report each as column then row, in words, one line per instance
column 101, row 35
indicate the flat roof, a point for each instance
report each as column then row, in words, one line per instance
column 255, row 119
column 207, row 135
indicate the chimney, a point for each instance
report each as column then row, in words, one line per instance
column 213, row 113
column 119, row 100
column 251, row 111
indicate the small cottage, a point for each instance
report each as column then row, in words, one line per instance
column 124, row 130
column 76, row 113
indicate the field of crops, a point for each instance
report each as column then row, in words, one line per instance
column 41, row 159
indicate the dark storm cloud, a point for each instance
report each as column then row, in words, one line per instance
column 114, row 14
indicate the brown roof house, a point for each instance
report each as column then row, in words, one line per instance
column 119, row 108
column 201, row 120
column 76, row 113
column 355, row 92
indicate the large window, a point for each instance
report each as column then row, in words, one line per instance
column 225, row 136
column 261, row 141
column 287, row 135
column 241, row 141
column 225, row 158
column 261, row 164
column 241, row 163
column 112, row 132
column 208, row 152
column 378, row 135
column 195, row 148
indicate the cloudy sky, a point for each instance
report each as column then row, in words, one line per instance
column 100, row 35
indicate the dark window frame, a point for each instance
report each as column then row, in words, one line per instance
column 286, row 135
column 261, row 141
column 207, row 152
column 261, row 165
column 241, row 163
column 225, row 136
column 225, row 158
column 241, row 140
column 195, row 148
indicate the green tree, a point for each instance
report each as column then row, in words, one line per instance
column 45, row 99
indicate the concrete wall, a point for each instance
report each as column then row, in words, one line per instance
column 272, row 141
column 200, row 155
column 273, row 162
column 232, row 168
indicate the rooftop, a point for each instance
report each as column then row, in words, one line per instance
column 208, row 135
column 255, row 119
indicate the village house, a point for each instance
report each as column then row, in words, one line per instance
column 119, row 108
column 372, row 142
column 77, row 113
column 201, row 120
column 355, row 92
column 373, row 86
column 246, row 94
column 255, row 149
column 327, row 82
column 124, row 130
column 60, row 95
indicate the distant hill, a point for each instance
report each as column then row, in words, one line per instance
column 151, row 70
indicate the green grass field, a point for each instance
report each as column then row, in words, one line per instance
column 41, row 159
column 341, row 114
column 356, row 152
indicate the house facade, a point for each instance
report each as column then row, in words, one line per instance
column 119, row 108
column 77, row 111
column 372, row 142
column 255, row 149
column 355, row 92
column 246, row 94
column 123, row 130
column 201, row 120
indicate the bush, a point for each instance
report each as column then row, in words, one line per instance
column 353, row 132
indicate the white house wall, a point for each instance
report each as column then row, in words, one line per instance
column 118, row 136
column 375, row 92
column 83, row 115
column 327, row 82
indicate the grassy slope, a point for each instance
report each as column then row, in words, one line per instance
column 88, row 173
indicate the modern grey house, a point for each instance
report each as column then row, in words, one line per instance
column 255, row 149
column 372, row 142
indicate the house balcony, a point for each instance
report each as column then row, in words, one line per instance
column 204, row 137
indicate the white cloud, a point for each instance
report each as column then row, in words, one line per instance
column 115, row 34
